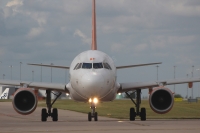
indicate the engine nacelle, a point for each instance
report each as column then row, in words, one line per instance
column 24, row 101
column 161, row 100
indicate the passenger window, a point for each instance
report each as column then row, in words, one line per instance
column 79, row 66
column 97, row 65
column 87, row 65
column 76, row 66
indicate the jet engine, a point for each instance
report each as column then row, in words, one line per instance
column 161, row 100
column 24, row 101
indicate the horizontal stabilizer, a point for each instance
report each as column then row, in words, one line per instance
column 63, row 67
column 138, row 65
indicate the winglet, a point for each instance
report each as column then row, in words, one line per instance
column 94, row 43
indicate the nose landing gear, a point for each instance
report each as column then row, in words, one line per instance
column 93, row 114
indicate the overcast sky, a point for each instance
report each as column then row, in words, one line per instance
column 130, row 31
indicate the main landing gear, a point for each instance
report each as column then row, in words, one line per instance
column 138, row 112
column 47, row 112
column 93, row 114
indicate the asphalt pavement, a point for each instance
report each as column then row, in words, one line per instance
column 69, row 121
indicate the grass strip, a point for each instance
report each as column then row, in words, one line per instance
column 120, row 109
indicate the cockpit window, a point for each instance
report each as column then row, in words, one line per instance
column 79, row 66
column 97, row 65
column 76, row 66
column 87, row 65
column 92, row 65
column 107, row 66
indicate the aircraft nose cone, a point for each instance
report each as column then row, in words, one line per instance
column 92, row 83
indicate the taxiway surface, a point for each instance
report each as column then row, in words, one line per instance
column 69, row 121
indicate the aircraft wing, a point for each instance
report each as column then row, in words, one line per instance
column 36, row 85
column 124, row 87
column 137, row 65
column 63, row 67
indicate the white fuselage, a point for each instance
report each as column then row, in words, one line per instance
column 93, row 74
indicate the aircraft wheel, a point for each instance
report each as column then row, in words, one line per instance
column 55, row 114
column 143, row 114
column 89, row 116
column 44, row 114
column 132, row 114
column 95, row 116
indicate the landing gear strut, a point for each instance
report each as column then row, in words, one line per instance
column 93, row 114
column 47, row 112
column 138, row 112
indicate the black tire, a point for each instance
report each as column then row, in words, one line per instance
column 55, row 114
column 95, row 116
column 132, row 114
column 143, row 114
column 89, row 116
column 44, row 114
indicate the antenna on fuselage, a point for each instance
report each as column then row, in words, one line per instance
column 94, row 42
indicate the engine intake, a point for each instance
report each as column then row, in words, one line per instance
column 161, row 100
column 24, row 101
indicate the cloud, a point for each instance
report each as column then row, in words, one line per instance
column 12, row 8
column 14, row 3
column 143, row 31
column 158, row 42
column 83, row 37
column 185, row 8
column 34, row 32
column 50, row 44
column 116, row 47
column 185, row 59
column 141, row 47
column 2, row 51
column 40, row 18
column 181, row 39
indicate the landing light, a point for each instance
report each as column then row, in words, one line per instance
column 94, row 100
column 90, row 100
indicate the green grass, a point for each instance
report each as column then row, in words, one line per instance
column 5, row 100
column 120, row 109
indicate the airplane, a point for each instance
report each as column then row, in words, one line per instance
column 4, row 95
column 93, row 79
